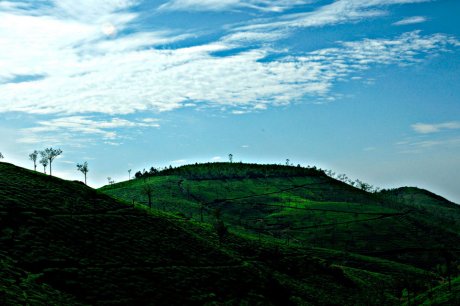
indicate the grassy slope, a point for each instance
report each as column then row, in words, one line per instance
column 439, row 295
column 439, row 209
column 70, row 244
column 84, row 243
column 306, row 209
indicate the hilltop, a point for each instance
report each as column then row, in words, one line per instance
column 258, row 235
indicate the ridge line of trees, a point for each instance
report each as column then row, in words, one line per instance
column 47, row 157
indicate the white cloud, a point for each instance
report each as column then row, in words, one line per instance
column 216, row 158
column 426, row 128
column 410, row 20
column 179, row 161
column 83, row 70
column 130, row 80
column 415, row 146
column 339, row 11
column 66, row 128
column 221, row 5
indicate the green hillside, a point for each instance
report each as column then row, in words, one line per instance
column 218, row 234
column 305, row 207
column 441, row 295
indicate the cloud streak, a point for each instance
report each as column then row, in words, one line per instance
column 221, row 5
column 65, row 128
column 410, row 20
column 427, row 128
column 340, row 11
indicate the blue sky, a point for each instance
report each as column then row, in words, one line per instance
column 369, row 88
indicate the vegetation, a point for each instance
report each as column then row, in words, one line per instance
column 83, row 168
column 224, row 234
column 33, row 157
column 43, row 161
column 50, row 154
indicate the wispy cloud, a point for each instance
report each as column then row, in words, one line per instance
column 339, row 11
column 421, row 146
column 220, row 5
column 164, row 80
column 427, row 128
column 68, row 127
column 179, row 162
column 410, row 20
column 87, row 58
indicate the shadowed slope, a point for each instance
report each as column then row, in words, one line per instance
column 86, row 244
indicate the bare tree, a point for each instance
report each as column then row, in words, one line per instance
column 230, row 157
column 33, row 157
column 51, row 154
column 129, row 174
column 287, row 161
column 83, row 168
column 43, row 161
column 148, row 191
column 1, row 155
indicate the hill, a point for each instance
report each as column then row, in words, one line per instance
column 303, row 206
column 69, row 244
column 96, row 250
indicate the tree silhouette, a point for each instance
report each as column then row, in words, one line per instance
column 1, row 155
column 129, row 174
column 287, row 161
column 43, row 161
column 230, row 157
column 51, row 154
column 33, row 157
column 83, row 168
column 148, row 191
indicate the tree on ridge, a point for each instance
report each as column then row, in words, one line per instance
column 33, row 157
column 51, row 154
column 83, row 168
column 43, row 161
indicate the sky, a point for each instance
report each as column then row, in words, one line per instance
column 369, row 88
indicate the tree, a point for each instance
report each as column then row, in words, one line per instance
column 51, row 154
column 83, row 168
column 43, row 161
column 363, row 186
column 33, row 157
column 230, row 157
column 148, row 191
column 129, row 174
column 1, row 156
column 287, row 161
